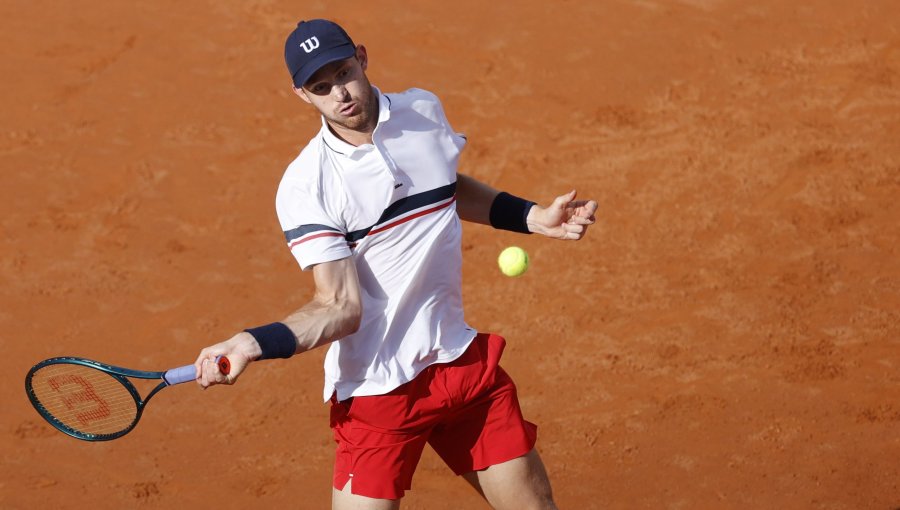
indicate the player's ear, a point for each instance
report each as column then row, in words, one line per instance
column 362, row 56
column 302, row 93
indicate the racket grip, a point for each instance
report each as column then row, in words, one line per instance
column 188, row 373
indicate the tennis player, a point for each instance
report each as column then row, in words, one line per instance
column 372, row 207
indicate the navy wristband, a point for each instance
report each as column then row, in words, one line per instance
column 276, row 340
column 509, row 212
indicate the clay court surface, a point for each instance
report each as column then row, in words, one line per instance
column 728, row 335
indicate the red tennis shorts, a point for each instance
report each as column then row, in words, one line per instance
column 467, row 410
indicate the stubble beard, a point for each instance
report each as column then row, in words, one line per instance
column 363, row 120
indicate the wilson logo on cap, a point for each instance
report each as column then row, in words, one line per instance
column 310, row 44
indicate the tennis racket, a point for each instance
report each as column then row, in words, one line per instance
column 93, row 401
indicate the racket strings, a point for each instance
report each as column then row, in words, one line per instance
column 84, row 399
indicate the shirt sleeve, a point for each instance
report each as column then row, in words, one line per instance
column 459, row 139
column 429, row 105
column 311, row 234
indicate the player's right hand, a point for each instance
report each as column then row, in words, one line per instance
column 240, row 350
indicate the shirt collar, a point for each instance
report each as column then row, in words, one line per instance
column 341, row 147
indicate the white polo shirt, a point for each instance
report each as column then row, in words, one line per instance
column 391, row 206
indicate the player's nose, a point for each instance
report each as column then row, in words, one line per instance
column 340, row 92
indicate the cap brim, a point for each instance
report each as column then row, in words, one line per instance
column 341, row 52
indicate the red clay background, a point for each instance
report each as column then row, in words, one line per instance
column 726, row 337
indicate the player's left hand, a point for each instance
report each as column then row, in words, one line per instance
column 565, row 218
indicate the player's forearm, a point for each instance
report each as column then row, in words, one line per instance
column 317, row 323
column 479, row 203
column 334, row 312
column 323, row 321
column 474, row 199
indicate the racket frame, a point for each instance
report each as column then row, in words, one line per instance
column 118, row 373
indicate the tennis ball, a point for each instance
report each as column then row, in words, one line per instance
column 513, row 261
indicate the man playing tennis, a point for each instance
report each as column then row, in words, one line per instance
column 372, row 206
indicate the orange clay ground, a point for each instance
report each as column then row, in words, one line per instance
column 727, row 337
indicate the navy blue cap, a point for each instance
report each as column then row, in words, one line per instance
column 313, row 44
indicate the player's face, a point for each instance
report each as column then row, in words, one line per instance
column 342, row 93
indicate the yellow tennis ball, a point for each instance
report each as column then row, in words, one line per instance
column 513, row 261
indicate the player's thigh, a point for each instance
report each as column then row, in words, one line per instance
column 345, row 500
column 520, row 483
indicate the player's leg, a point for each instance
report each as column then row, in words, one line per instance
column 380, row 439
column 520, row 483
column 346, row 500
column 373, row 468
column 487, row 440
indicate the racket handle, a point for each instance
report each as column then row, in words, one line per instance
column 188, row 373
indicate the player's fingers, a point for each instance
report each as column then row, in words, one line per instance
column 580, row 220
column 571, row 232
column 585, row 208
column 200, row 357
column 563, row 201
column 573, row 228
column 210, row 373
column 212, row 376
column 197, row 370
column 582, row 233
column 198, row 365
column 203, row 380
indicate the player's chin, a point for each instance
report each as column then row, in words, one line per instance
column 355, row 122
